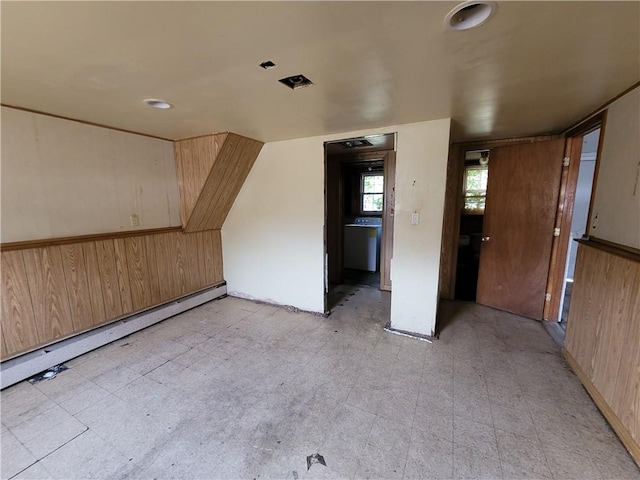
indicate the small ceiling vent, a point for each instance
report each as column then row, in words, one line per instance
column 469, row 15
column 296, row 81
column 268, row 65
column 355, row 143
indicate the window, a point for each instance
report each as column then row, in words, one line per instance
column 475, row 188
column 372, row 192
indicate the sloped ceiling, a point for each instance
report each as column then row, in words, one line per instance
column 535, row 67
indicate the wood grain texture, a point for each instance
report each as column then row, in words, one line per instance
column 619, row 426
column 603, row 330
column 152, row 267
column 75, row 274
column 94, row 281
column 122, row 271
column 138, row 268
column 451, row 222
column 48, row 290
column 388, row 215
column 109, row 278
column 453, row 204
column 18, row 319
column 49, row 293
column 49, row 242
column 194, row 159
column 522, row 196
column 564, row 216
column 223, row 183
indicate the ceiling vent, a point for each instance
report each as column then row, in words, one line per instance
column 268, row 65
column 469, row 15
column 296, row 81
column 355, row 143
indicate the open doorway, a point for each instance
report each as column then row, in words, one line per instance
column 580, row 216
column 474, row 191
column 359, row 179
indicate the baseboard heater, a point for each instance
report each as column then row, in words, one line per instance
column 25, row 366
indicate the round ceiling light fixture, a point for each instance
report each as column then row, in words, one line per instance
column 470, row 14
column 155, row 103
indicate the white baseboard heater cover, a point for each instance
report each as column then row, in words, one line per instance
column 25, row 366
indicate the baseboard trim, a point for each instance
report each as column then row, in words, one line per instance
column 624, row 435
column 24, row 366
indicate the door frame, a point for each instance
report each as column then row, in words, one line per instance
column 564, row 215
column 388, row 157
column 453, row 205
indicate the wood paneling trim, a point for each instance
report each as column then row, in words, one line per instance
column 18, row 319
column 211, row 172
column 603, row 333
column 54, row 292
column 613, row 248
column 618, row 426
column 48, row 290
column 49, row 242
column 227, row 175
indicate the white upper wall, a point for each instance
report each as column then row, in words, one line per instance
column 617, row 195
column 273, row 238
column 63, row 178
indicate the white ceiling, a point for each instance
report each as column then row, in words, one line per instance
column 535, row 67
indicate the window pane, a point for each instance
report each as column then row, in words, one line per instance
column 372, row 183
column 475, row 188
column 477, row 178
column 372, row 202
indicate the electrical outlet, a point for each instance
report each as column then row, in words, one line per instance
column 135, row 220
column 594, row 224
column 415, row 218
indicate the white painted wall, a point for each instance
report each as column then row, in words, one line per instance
column 617, row 196
column 62, row 178
column 273, row 238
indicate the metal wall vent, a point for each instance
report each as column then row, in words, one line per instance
column 296, row 81
column 355, row 142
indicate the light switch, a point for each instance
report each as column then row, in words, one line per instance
column 415, row 218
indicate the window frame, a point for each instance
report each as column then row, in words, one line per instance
column 364, row 194
column 474, row 193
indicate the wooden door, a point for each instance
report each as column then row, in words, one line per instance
column 334, row 219
column 522, row 196
column 386, row 252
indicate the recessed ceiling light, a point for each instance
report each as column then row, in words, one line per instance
column 155, row 103
column 296, row 81
column 268, row 65
column 470, row 14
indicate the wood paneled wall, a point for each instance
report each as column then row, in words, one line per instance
column 58, row 290
column 602, row 341
column 211, row 172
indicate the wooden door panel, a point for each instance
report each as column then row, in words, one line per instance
column 522, row 196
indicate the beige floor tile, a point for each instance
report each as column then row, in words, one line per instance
column 14, row 457
column 470, row 464
column 481, row 437
column 522, row 452
column 429, row 457
column 23, row 402
column 48, row 431
column 87, row 457
column 237, row 389
column 34, row 472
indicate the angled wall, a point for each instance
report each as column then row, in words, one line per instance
column 211, row 172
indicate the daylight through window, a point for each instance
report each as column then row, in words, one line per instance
column 372, row 192
column 475, row 188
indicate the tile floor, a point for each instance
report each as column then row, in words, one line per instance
column 235, row 389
